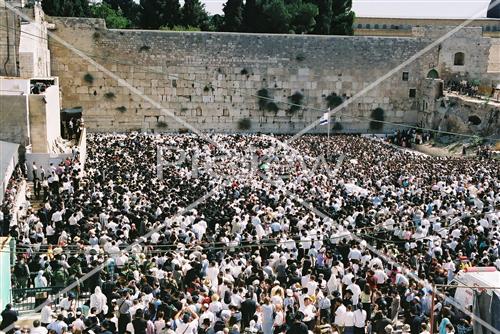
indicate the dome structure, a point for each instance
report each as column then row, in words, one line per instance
column 493, row 12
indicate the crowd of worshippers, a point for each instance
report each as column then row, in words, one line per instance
column 252, row 256
column 463, row 87
column 409, row 137
column 72, row 128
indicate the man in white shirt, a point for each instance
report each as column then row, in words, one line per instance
column 309, row 312
column 37, row 329
column 359, row 320
column 356, row 292
column 186, row 321
column 46, row 314
column 340, row 314
column 59, row 326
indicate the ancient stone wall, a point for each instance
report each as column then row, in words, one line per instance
column 211, row 80
column 9, row 41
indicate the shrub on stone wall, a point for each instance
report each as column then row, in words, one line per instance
column 263, row 96
column 273, row 107
column 245, row 124
column 377, row 115
column 333, row 100
column 109, row 95
column 337, row 126
column 208, row 88
column 244, row 71
column 300, row 57
column 88, row 78
column 144, row 48
column 121, row 109
column 161, row 124
column 296, row 99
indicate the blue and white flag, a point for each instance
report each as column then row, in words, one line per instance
column 325, row 119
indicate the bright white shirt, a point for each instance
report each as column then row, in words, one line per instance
column 340, row 315
column 46, row 315
column 38, row 330
column 359, row 318
column 349, row 319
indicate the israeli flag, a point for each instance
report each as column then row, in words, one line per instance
column 325, row 119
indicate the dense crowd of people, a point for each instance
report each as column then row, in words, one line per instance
column 408, row 137
column 251, row 257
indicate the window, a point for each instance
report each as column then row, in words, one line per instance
column 376, row 26
column 412, row 93
column 360, row 26
column 225, row 112
column 405, row 76
column 487, row 28
column 368, row 26
column 459, row 59
column 384, row 26
column 433, row 74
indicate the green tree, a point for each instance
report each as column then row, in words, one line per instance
column 343, row 18
column 252, row 16
column 194, row 14
column 151, row 14
column 51, row 7
column 216, row 22
column 303, row 15
column 324, row 17
column 233, row 15
column 68, row 8
column 129, row 8
column 171, row 13
column 277, row 17
column 114, row 18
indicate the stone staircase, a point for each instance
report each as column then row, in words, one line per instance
column 36, row 203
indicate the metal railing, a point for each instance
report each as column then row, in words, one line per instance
column 25, row 300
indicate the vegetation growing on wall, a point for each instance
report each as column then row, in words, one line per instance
column 377, row 115
column 333, row 100
column 296, row 98
column 162, row 124
column 245, row 124
column 109, row 95
column 88, row 78
column 300, row 57
column 273, row 107
column 121, row 109
column 263, row 96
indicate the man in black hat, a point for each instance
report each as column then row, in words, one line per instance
column 298, row 327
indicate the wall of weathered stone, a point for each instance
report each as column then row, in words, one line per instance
column 211, row 79
column 9, row 41
column 14, row 119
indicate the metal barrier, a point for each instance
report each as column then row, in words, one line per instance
column 28, row 299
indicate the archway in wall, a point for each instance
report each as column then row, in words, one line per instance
column 433, row 74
